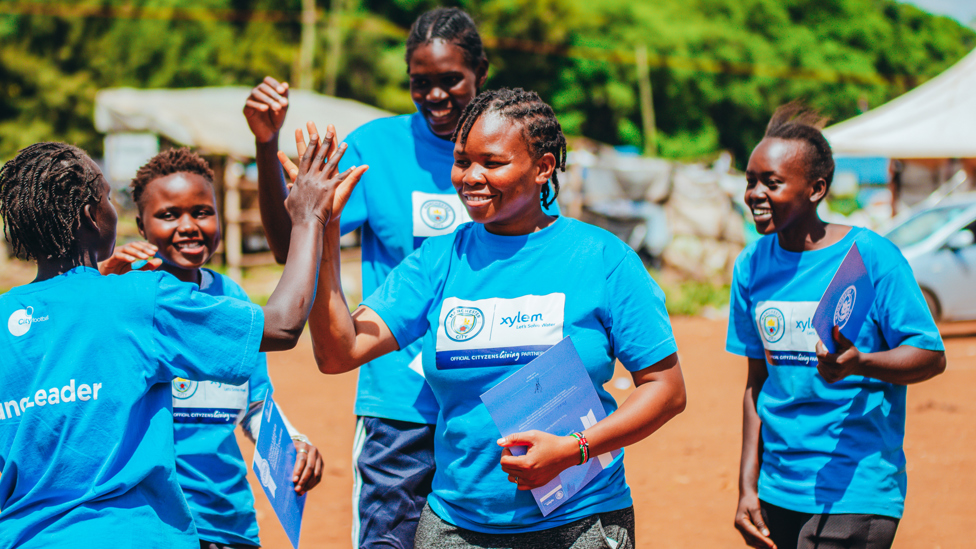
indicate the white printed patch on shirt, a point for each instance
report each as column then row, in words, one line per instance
column 208, row 401
column 787, row 332
column 498, row 332
column 437, row 214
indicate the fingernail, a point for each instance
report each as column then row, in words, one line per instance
column 765, row 532
column 501, row 440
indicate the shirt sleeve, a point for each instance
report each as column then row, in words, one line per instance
column 202, row 337
column 903, row 316
column 640, row 331
column 354, row 213
column 405, row 298
column 742, row 338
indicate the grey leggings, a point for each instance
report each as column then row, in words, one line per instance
column 613, row 530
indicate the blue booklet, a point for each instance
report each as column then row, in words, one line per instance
column 846, row 301
column 553, row 393
column 274, row 463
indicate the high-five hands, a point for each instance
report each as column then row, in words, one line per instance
column 319, row 193
column 265, row 109
column 840, row 364
column 291, row 170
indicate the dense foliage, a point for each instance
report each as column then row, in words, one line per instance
column 718, row 67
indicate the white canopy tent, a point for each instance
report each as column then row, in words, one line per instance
column 212, row 119
column 934, row 120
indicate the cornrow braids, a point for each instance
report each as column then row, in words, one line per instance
column 451, row 25
column 794, row 121
column 540, row 128
column 43, row 191
column 167, row 163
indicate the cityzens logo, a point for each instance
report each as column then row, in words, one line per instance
column 184, row 388
column 463, row 323
column 845, row 306
column 437, row 214
column 20, row 321
column 772, row 324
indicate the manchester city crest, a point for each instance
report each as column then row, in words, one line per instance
column 772, row 324
column 463, row 323
column 437, row 214
column 845, row 306
column 184, row 388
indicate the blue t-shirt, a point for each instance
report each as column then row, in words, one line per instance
column 86, row 429
column 404, row 198
column 485, row 305
column 209, row 464
column 827, row 448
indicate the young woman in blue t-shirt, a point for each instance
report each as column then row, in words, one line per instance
column 87, row 361
column 178, row 218
column 405, row 198
column 531, row 279
column 822, row 462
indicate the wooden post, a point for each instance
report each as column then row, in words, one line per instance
column 646, row 100
column 233, row 243
column 335, row 47
column 306, row 54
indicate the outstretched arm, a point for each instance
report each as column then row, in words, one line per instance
column 310, row 207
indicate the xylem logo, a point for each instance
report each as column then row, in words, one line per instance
column 20, row 322
column 521, row 318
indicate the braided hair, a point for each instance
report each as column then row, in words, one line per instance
column 540, row 129
column 43, row 191
column 168, row 163
column 451, row 25
column 793, row 121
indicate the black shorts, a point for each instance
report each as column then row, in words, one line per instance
column 795, row 530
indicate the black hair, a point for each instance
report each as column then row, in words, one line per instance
column 794, row 121
column 540, row 128
column 43, row 192
column 167, row 163
column 452, row 25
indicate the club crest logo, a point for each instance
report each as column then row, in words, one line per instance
column 463, row 323
column 845, row 306
column 437, row 214
column 184, row 388
column 20, row 322
column 772, row 324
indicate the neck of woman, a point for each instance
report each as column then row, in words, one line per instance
column 51, row 267
column 184, row 275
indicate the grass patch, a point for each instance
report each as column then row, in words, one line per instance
column 691, row 297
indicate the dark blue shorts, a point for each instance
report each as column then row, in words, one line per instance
column 393, row 466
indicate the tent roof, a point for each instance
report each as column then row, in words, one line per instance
column 934, row 120
column 212, row 120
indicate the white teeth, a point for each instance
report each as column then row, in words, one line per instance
column 476, row 200
column 758, row 212
column 189, row 246
column 440, row 114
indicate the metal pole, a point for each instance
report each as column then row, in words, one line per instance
column 335, row 47
column 306, row 54
column 646, row 100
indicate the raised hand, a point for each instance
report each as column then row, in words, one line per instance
column 319, row 194
column 265, row 109
column 840, row 364
column 330, row 137
column 133, row 256
column 547, row 456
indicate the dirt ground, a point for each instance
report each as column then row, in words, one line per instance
column 684, row 476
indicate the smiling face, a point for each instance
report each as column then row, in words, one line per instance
column 178, row 215
column 778, row 189
column 442, row 83
column 498, row 178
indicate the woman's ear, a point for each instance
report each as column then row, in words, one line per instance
column 482, row 72
column 546, row 164
column 819, row 190
column 88, row 217
column 142, row 229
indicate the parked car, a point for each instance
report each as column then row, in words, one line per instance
column 939, row 243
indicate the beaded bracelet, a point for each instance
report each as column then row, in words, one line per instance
column 584, row 447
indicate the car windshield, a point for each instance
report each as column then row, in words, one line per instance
column 924, row 224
